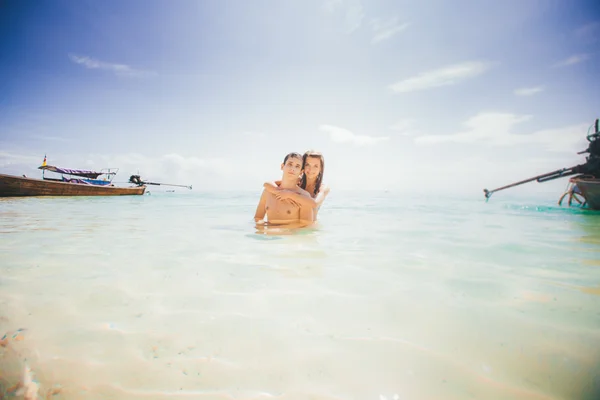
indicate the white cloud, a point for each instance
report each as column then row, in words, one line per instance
column 341, row 135
column 168, row 167
column 496, row 129
column 187, row 168
column 405, row 127
column 254, row 135
column 449, row 75
column 574, row 59
column 529, row 91
column 469, row 174
column 331, row 5
column 384, row 30
column 9, row 159
column 118, row 69
column 352, row 11
column 50, row 138
column 354, row 15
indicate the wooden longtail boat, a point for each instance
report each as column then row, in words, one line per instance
column 584, row 186
column 86, row 183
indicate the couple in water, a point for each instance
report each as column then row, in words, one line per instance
column 294, row 201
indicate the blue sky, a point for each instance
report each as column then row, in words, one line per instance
column 428, row 95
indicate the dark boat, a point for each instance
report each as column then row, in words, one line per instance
column 589, row 187
column 73, row 182
column 584, row 186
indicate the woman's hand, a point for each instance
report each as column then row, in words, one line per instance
column 286, row 195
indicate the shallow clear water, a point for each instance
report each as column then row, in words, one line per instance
column 177, row 295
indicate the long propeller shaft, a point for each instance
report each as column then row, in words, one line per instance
column 540, row 178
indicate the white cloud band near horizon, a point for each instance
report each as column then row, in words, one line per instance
column 342, row 135
column 496, row 129
column 444, row 76
column 405, row 127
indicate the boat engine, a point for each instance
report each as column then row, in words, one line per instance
column 592, row 164
column 136, row 179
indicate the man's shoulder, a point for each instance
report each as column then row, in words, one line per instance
column 267, row 194
column 302, row 191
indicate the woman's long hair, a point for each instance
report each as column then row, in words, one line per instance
column 313, row 154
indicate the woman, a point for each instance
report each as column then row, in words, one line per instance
column 311, row 180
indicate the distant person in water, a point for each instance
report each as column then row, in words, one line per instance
column 281, row 212
column 311, row 180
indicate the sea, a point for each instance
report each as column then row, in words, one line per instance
column 389, row 297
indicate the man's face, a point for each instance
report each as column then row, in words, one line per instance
column 292, row 167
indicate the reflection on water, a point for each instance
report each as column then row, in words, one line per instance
column 180, row 296
column 587, row 227
column 591, row 290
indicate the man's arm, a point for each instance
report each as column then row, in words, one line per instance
column 306, row 216
column 261, row 208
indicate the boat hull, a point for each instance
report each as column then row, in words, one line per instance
column 16, row 186
column 590, row 189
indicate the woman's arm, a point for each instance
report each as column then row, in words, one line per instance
column 321, row 196
column 301, row 199
column 272, row 187
column 284, row 194
column 304, row 199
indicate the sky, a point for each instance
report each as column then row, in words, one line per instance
column 409, row 96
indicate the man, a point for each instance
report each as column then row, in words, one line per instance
column 281, row 212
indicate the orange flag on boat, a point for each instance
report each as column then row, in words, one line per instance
column 44, row 162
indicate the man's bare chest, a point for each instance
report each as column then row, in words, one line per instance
column 280, row 209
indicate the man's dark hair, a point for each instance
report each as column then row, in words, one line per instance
column 293, row 155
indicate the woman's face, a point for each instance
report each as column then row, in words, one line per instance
column 312, row 168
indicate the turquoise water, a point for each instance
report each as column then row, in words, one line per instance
column 177, row 295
